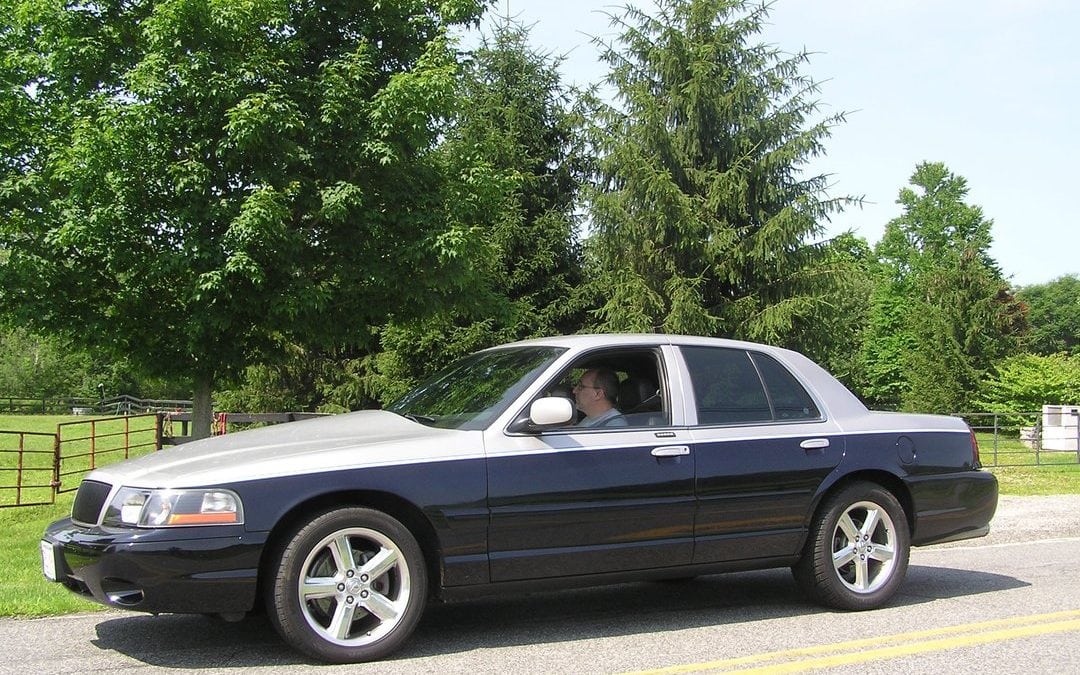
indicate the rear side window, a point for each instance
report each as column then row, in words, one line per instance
column 733, row 386
column 726, row 386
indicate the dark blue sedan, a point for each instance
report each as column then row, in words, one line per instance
column 549, row 463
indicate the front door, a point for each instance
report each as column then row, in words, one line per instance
column 592, row 500
column 601, row 501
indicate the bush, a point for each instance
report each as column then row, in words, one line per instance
column 1027, row 382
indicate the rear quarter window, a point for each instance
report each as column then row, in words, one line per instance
column 726, row 386
column 790, row 401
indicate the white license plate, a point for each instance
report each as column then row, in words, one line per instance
column 48, row 560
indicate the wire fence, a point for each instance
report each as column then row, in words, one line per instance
column 74, row 405
column 1047, row 437
column 35, row 466
column 84, row 446
column 28, row 461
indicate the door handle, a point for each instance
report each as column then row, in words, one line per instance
column 671, row 451
column 814, row 444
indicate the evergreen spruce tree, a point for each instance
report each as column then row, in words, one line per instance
column 516, row 117
column 702, row 218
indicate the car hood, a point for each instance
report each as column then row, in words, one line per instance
column 352, row 440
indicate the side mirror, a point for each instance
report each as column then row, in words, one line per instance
column 551, row 411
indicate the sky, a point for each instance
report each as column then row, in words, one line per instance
column 991, row 88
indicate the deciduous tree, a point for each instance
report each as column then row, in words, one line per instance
column 1026, row 382
column 196, row 183
column 1054, row 315
column 943, row 313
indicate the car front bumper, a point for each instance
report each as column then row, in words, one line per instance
column 195, row 570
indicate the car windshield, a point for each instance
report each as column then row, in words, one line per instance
column 476, row 389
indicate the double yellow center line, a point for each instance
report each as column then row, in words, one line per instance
column 889, row 646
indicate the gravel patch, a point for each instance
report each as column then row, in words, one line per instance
column 1038, row 517
column 1029, row 518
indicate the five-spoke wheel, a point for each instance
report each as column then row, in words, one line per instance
column 857, row 553
column 350, row 586
column 864, row 547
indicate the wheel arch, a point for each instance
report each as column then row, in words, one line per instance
column 398, row 508
column 841, row 584
column 889, row 481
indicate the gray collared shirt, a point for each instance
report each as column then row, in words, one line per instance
column 609, row 418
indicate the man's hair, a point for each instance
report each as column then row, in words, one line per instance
column 607, row 381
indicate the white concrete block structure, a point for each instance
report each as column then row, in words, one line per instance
column 1060, row 429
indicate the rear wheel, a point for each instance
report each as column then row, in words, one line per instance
column 857, row 554
column 349, row 586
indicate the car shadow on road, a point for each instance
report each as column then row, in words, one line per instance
column 926, row 583
column 187, row 641
column 179, row 641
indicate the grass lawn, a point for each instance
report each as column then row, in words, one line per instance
column 25, row 592
column 1022, row 471
column 1060, row 479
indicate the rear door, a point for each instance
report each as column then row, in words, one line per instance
column 762, row 446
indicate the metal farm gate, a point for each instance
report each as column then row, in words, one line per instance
column 36, row 466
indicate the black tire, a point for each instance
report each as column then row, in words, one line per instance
column 370, row 590
column 856, row 556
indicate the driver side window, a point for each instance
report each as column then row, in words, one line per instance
column 617, row 389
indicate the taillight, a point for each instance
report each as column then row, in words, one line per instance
column 975, row 462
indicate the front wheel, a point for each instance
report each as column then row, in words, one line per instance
column 348, row 586
column 857, row 554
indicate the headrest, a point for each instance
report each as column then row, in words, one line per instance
column 633, row 391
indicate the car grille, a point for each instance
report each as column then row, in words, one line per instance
column 88, row 502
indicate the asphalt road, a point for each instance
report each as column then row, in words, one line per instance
column 1007, row 603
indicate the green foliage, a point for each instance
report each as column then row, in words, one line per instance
column 331, row 381
column 515, row 119
column 326, row 202
column 40, row 367
column 1027, row 382
column 701, row 215
column 196, row 184
column 1054, row 315
column 887, row 342
column 941, row 314
column 938, row 375
column 834, row 332
column 33, row 366
column 264, row 389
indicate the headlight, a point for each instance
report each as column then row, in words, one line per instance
column 137, row 507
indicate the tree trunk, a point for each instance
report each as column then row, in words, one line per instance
column 202, row 413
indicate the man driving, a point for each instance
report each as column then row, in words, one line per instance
column 595, row 395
